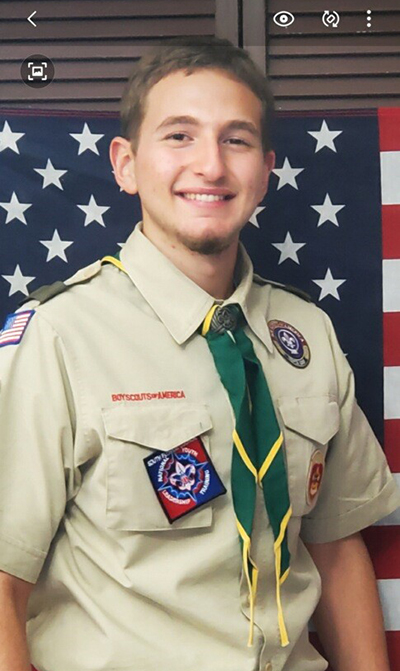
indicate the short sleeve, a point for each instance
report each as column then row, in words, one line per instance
column 357, row 487
column 36, row 448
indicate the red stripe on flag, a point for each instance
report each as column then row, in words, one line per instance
column 383, row 543
column 389, row 129
column 391, row 338
column 392, row 444
column 393, row 644
column 391, row 231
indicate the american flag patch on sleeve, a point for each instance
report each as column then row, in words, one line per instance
column 15, row 327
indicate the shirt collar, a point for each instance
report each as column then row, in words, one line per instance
column 178, row 301
column 254, row 303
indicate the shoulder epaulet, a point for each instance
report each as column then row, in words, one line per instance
column 286, row 287
column 48, row 291
column 45, row 292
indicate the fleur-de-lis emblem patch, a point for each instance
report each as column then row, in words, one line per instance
column 184, row 478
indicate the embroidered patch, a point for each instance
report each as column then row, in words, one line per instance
column 15, row 327
column 290, row 343
column 315, row 474
column 183, row 479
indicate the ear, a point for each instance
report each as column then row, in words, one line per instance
column 269, row 165
column 123, row 162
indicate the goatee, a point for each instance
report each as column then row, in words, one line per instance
column 207, row 247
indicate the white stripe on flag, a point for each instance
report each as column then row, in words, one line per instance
column 390, row 176
column 394, row 518
column 391, row 285
column 391, row 394
column 13, row 331
column 389, row 591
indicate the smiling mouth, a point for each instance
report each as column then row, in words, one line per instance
column 205, row 197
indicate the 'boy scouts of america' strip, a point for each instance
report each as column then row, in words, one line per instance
column 15, row 327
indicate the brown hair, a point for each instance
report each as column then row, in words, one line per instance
column 190, row 54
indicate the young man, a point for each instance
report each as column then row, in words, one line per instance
column 182, row 453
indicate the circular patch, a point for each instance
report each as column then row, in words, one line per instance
column 290, row 343
column 315, row 473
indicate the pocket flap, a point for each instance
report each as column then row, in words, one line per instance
column 159, row 427
column 316, row 417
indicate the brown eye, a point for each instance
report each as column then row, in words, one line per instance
column 177, row 136
column 238, row 141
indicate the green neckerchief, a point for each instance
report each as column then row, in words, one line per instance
column 257, row 456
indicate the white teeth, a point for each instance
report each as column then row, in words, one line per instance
column 207, row 197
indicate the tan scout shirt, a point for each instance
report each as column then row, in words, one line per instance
column 106, row 373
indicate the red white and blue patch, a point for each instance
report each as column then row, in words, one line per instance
column 15, row 327
column 183, row 479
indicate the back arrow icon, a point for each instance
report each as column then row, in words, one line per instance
column 30, row 19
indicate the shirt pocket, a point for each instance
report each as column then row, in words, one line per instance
column 309, row 424
column 132, row 434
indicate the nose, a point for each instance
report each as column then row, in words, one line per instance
column 209, row 159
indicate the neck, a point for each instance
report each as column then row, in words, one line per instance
column 212, row 272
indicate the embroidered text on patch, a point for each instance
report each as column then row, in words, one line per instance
column 148, row 396
column 15, row 327
column 183, row 478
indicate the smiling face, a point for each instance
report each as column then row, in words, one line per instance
column 199, row 168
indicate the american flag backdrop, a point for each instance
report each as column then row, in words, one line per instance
column 329, row 224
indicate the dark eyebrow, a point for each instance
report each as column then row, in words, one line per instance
column 235, row 124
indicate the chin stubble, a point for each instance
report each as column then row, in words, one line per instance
column 207, row 247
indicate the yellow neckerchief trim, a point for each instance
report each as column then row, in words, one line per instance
column 285, row 575
column 281, row 622
column 284, row 524
column 251, row 580
column 280, row 579
column 114, row 261
column 207, row 321
column 270, row 457
column 241, row 449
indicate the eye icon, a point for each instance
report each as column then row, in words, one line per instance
column 283, row 19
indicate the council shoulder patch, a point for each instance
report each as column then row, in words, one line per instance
column 290, row 343
column 315, row 473
column 183, row 479
column 15, row 327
